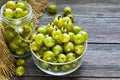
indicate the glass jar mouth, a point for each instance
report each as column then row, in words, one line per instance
column 60, row 63
column 30, row 14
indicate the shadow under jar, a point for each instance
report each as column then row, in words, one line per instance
column 17, row 32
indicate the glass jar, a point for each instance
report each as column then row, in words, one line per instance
column 17, row 32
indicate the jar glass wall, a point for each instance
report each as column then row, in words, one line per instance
column 17, row 32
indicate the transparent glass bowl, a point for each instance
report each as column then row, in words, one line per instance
column 58, row 69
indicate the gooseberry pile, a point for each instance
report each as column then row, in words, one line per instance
column 15, row 9
column 59, row 41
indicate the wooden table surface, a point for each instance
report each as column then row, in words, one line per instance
column 101, row 19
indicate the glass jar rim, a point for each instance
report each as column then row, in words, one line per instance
column 12, row 19
column 60, row 63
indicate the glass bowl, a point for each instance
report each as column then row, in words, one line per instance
column 58, row 69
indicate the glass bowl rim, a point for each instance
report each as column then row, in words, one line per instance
column 52, row 63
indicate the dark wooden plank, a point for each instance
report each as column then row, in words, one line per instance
column 100, row 60
column 85, row 1
column 60, row 78
column 101, row 30
column 78, row 1
column 2, row 2
column 90, row 8
column 90, row 14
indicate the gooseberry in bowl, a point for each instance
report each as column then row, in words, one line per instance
column 58, row 47
column 62, row 64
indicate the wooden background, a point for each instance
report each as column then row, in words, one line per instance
column 101, row 19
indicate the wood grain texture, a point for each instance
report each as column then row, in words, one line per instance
column 101, row 19
column 85, row 1
column 2, row 2
column 61, row 78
